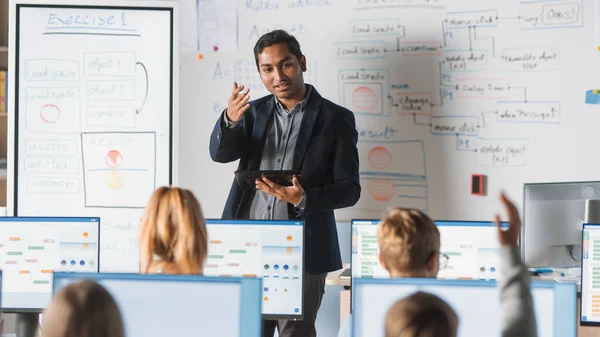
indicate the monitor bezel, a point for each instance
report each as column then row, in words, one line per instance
column 524, row 210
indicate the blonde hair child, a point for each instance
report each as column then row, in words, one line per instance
column 173, row 237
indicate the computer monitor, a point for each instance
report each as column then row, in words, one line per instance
column 476, row 302
column 270, row 249
column 590, row 276
column 181, row 305
column 32, row 248
column 471, row 246
column 365, row 250
column 553, row 214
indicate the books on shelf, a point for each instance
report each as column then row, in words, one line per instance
column 3, row 90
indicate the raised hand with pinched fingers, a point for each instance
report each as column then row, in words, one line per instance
column 238, row 103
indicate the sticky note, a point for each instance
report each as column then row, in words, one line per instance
column 199, row 56
column 592, row 97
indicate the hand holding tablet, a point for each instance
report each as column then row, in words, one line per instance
column 247, row 179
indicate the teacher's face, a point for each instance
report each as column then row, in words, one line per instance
column 281, row 73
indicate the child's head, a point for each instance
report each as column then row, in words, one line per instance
column 421, row 315
column 83, row 309
column 409, row 244
column 173, row 238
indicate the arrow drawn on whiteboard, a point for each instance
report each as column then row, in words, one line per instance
column 137, row 111
column 470, row 41
column 483, row 38
column 416, row 123
column 483, row 116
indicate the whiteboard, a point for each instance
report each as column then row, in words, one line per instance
column 95, row 107
column 511, row 78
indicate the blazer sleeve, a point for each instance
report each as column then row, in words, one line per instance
column 227, row 144
column 344, row 191
column 518, row 317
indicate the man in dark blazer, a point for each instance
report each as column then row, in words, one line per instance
column 292, row 129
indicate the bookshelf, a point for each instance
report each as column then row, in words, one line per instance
column 8, row 321
column 3, row 115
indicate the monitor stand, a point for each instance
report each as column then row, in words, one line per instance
column 27, row 324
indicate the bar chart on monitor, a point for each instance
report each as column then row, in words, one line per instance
column 233, row 255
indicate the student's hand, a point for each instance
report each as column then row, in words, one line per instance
column 238, row 103
column 509, row 237
column 292, row 194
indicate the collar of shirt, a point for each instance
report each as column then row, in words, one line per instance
column 300, row 106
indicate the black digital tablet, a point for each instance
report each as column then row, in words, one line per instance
column 247, row 179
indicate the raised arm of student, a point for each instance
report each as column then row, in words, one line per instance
column 518, row 317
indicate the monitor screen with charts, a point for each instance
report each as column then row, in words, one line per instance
column 590, row 275
column 471, row 246
column 270, row 249
column 554, row 304
column 32, row 248
column 205, row 306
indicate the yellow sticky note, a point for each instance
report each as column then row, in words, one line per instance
column 595, row 91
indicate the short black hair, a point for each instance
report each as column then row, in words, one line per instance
column 276, row 37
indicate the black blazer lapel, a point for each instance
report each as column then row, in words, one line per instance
column 259, row 133
column 311, row 112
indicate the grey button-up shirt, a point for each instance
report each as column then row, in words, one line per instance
column 278, row 154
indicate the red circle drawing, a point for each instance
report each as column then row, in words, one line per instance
column 364, row 98
column 113, row 159
column 50, row 113
column 380, row 157
column 381, row 190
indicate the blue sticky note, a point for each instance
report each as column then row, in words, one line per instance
column 591, row 98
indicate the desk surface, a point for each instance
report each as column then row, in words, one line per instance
column 333, row 278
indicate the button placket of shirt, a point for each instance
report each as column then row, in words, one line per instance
column 271, row 207
column 285, row 137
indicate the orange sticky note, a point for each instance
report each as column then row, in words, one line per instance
column 199, row 56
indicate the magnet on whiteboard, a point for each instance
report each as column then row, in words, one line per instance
column 478, row 184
